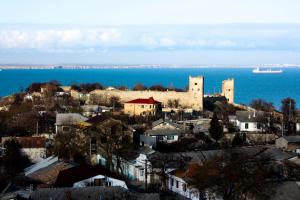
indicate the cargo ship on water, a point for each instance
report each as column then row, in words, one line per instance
column 266, row 71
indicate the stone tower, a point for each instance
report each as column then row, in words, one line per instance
column 228, row 90
column 196, row 92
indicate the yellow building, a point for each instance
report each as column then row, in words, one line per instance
column 142, row 107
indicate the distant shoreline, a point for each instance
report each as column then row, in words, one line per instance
column 74, row 67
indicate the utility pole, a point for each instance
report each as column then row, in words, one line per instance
column 146, row 174
column 113, row 105
column 37, row 127
column 90, row 147
column 282, row 127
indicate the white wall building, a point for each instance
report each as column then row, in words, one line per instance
column 178, row 182
column 298, row 127
column 162, row 131
column 133, row 167
column 107, row 181
column 248, row 121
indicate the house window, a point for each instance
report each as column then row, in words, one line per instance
column 93, row 145
column 184, row 187
column 258, row 126
column 142, row 172
column 142, row 106
column 160, row 138
column 150, row 106
column 246, row 126
column 170, row 137
column 66, row 129
column 172, row 182
column 103, row 140
column 97, row 182
column 177, row 184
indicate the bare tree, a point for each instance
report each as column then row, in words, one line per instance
column 68, row 145
column 113, row 136
column 139, row 87
column 262, row 105
column 236, row 175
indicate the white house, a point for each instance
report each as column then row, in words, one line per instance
column 100, row 180
column 178, row 182
column 141, row 163
column 134, row 164
column 250, row 121
column 65, row 121
column 88, row 176
column 162, row 131
column 152, row 137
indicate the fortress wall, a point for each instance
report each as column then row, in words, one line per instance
column 193, row 98
column 186, row 99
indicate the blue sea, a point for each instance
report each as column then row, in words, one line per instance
column 248, row 86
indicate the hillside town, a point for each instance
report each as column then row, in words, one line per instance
column 87, row 141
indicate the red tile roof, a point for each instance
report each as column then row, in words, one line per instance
column 32, row 142
column 191, row 171
column 144, row 101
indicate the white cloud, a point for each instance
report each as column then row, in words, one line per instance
column 167, row 41
column 68, row 38
column 225, row 43
column 149, row 41
column 89, row 39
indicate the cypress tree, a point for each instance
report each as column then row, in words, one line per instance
column 216, row 128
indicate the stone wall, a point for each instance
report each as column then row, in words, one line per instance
column 193, row 98
column 186, row 99
column 258, row 138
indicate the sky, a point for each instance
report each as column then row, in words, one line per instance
column 220, row 32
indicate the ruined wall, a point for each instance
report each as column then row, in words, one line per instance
column 228, row 90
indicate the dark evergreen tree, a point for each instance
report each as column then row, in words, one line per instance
column 216, row 128
column 289, row 112
column 14, row 160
